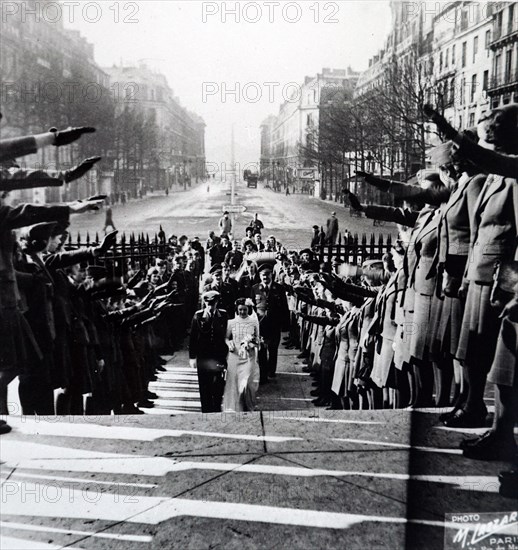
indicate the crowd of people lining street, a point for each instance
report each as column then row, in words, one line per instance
column 428, row 325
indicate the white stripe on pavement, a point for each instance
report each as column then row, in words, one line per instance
column 401, row 446
column 321, row 419
column 12, row 543
column 47, row 529
column 155, row 510
column 82, row 480
column 96, row 431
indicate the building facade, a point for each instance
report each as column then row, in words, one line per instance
column 288, row 138
column 178, row 154
column 49, row 78
column 467, row 53
column 503, row 85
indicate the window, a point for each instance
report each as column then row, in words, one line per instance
column 475, row 48
column 496, row 69
column 464, row 53
column 485, row 82
column 488, row 40
column 440, row 61
column 446, row 57
column 460, row 121
column 510, row 21
column 471, row 122
column 508, row 65
column 473, row 87
column 452, row 90
column 462, row 84
column 453, row 54
column 499, row 24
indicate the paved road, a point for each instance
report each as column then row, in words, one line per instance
column 195, row 212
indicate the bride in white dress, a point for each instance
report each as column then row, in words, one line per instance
column 243, row 370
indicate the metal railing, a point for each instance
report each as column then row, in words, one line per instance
column 503, row 79
column 354, row 248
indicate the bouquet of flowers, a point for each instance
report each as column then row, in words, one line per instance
column 247, row 344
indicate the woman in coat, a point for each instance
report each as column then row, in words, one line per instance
column 493, row 239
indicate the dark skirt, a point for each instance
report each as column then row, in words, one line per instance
column 480, row 327
column 445, row 325
column 505, row 363
column 420, row 333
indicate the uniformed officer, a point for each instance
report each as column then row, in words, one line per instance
column 274, row 317
column 208, row 351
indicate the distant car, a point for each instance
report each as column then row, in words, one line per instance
column 251, row 181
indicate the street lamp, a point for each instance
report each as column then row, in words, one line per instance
column 369, row 158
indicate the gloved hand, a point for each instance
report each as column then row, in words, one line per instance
column 463, row 290
column 108, row 242
column 81, row 169
column 78, row 207
column 371, row 179
column 442, row 124
column 65, row 137
column 192, row 363
column 451, row 286
column 355, row 203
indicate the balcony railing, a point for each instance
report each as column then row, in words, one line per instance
column 503, row 80
column 503, row 37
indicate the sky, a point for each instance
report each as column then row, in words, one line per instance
column 205, row 53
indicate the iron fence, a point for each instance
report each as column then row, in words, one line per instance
column 354, row 248
column 140, row 251
column 130, row 253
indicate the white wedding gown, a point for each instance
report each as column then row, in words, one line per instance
column 242, row 372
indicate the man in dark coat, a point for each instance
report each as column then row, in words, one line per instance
column 315, row 239
column 227, row 291
column 332, row 229
column 208, row 351
column 274, row 316
column 234, row 258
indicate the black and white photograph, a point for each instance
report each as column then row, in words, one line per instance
column 258, row 275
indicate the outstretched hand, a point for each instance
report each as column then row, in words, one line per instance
column 65, row 137
column 78, row 207
column 108, row 242
column 362, row 174
column 81, row 169
column 429, row 111
column 442, row 124
column 355, row 203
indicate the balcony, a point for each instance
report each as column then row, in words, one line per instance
column 503, row 82
column 503, row 38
